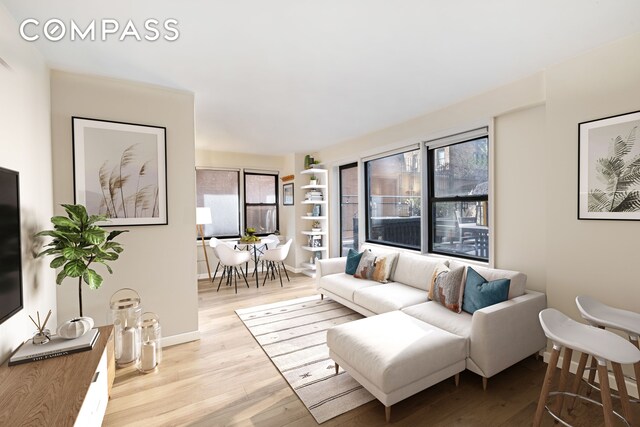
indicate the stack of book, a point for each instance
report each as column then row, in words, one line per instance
column 56, row 347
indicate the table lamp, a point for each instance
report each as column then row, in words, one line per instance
column 203, row 216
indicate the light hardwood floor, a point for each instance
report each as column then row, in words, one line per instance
column 225, row 379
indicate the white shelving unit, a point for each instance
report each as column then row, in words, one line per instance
column 322, row 175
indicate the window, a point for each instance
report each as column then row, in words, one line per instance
column 220, row 191
column 393, row 192
column 261, row 202
column 348, row 208
column 458, row 198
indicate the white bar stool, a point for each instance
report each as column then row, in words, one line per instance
column 601, row 316
column 604, row 346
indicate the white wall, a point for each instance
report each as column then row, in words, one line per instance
column 159, row 261
column 598, row 258
column 25, row 146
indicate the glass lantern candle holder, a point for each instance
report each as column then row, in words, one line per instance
column 125, row 314
column 150, row 343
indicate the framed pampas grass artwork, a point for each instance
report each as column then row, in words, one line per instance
column 120, row 171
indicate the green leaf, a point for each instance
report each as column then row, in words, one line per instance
column 53, row 233
column 115, row 233
column 75, row 268
column 91, row 278
column 61, row 276
column 50, row 251
column 63, row 221
column 73, row 253
column 57, row 262
column 107, row 256
column 77, row 212
column 95, row 218
column 95, row 235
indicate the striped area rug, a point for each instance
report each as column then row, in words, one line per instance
column 294, row 335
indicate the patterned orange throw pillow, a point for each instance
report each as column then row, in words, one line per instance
column 447, row 288
column 378, row 268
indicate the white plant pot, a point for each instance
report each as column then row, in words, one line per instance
column 313, row 182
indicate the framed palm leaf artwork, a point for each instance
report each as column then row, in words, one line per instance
column 120, row 171
column 609, row 168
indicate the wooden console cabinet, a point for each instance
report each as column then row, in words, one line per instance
column 63, row 391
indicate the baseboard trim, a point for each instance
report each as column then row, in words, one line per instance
column 631, row 386
column 180, row 338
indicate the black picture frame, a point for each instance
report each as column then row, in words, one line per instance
column 609, row 168
column 120, row 171
column 287, row 194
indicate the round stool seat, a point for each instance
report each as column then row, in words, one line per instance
column 601, row 344
column 603, row 315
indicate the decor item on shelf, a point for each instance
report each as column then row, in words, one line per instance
column 78, row 241
column 150, row 343
column 608, row 172
column 313, row 180
column 123, row 179
column 43, row 335
column 287, row 194
column 125, row 313
column 74, row 328
column 316, row 210
column 315, row 226
column 203, row 217
column 307, row 161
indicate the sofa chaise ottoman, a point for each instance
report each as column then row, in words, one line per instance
column 394, row 355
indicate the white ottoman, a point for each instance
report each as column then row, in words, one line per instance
column 394, row 355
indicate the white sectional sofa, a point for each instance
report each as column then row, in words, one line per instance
column 495, row 337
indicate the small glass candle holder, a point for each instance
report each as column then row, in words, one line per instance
column 150, row 343
column 125, row 313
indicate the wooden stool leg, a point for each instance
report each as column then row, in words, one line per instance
column 605, row 393
column 571, row 401
column 592, row 375
column 622, row 392
column 546, row 386
column 636, row 366
column 564, row 376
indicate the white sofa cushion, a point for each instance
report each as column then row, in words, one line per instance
column 415, row 270
column 345, row 285
column 388, row 297
column 393, row 350
column 440, row 316
column 518, row 280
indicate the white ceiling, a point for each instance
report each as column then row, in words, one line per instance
column 297, row 75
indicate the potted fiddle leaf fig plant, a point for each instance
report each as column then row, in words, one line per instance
column 78, row 242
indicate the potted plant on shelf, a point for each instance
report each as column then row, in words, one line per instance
column 313, row 180
column 315, row 226
column 77, row 243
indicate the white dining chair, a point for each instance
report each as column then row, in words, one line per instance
column 274, row 258
column 231, row 259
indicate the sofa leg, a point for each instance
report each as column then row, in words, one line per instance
column 321, row 297
column 337, row 367
column 485, row 381
column 456, row 378
column 387, row 413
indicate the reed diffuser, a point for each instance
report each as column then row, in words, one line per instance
column 43, row 335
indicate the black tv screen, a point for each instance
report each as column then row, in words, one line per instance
column 10, row 252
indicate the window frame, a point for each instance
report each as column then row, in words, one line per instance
column 275, row 176
column 365, row 170
column 340, row 195
column 237, row 172
column 431, row 199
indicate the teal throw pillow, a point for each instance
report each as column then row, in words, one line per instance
column 353, row 259
column 480, row 293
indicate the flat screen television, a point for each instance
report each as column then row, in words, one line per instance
column 10, row 250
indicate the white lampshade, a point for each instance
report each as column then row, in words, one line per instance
column 203, row 216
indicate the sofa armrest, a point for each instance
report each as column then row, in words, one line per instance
column 328, row 266
column 505, row 333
